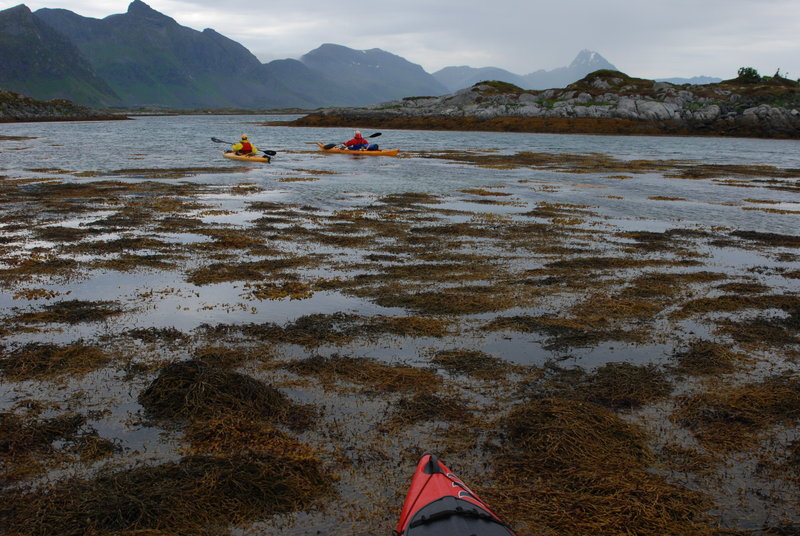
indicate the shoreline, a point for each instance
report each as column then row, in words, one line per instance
column 60, row 119
column 532, row 125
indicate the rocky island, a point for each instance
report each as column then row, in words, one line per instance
column 15, row 107
column 603, row 102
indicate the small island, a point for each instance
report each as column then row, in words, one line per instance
column 603, row 102
column 16, row 108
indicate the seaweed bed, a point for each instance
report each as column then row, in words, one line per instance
column 583, row 378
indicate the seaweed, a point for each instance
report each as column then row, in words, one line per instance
column 194, row 495
column 624, row 385
column 36, row 361
column 464, row 300
column 246, row 271
column 72, row 312
column 193, row 390
column 426, row 407
column 376, row 377
column 170, row 335
column 238, row 436
column 474, row 363
column 309, row 330
column 29, row 444
column 735, row 417
column 701, row 357
column 575, row 468
column 616, row 385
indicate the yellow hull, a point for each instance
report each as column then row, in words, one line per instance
column 247, row 158
column 384, row 152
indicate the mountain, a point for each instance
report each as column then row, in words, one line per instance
column 44, row 64
column 584, row 63
column 150, row 60
column 143, row 58
column 455, row 78
column 373, row 74
column 587, row 61
column 695, row 80
column 309, row 88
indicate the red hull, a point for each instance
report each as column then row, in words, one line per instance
column 439, row 503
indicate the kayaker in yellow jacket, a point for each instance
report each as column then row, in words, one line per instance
column 244, row 146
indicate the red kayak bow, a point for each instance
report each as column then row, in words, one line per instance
column 438, row 503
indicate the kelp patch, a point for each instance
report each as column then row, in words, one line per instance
column 374, row 376
column 190, row 496
column 323, row 344
column 577, row 468
column 71, row 312
column 193, row 391
column 46, row 360
column 734, row 417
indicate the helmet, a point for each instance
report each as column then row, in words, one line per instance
column 244, row 136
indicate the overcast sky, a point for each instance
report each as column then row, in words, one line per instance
column 643, row 38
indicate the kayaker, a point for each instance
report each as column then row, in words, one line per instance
column 357, row 143
column 244, row 146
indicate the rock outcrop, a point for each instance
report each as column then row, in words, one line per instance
column 603, row 102
column 15, row 107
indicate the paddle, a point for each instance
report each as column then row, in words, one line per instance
column 270, row 153
column 332, row 145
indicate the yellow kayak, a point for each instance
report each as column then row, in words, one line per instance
column 380, row 152
column 247, row 157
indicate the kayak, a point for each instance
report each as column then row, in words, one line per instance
column 380, row 152
column 248, row 158
column 438, row 503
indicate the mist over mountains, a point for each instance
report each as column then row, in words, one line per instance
column 143, row 58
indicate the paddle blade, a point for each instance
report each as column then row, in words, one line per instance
column 374, row 135
column 329, row 146
column 217, row 140
column 271, row 153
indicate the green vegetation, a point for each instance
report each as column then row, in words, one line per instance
column 496, row 87
column 748, row 75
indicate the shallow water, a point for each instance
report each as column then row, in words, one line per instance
column 337, row 182
column 158, row 298
column 184, row 142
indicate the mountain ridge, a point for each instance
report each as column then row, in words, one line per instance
column 145, row 59
column 32, row 56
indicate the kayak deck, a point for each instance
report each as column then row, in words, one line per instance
column 438, row 503
column 247, row 158
column 380, row 152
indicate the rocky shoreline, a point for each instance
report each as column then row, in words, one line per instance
column 604, row 102
column 19, row 108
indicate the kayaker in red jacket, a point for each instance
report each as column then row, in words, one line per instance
column 244, row 146
column 357, row 143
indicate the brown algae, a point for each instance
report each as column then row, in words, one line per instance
column 578, row 450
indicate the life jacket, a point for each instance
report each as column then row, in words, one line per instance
column 247, row 147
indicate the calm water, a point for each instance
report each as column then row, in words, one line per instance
column 165, row 298
column 184, row 142
column 179, row 142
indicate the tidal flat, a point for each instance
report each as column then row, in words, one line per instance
column 183, row 356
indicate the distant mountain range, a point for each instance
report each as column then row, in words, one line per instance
column 145, row 59
column 455, row 78
column 695, row 80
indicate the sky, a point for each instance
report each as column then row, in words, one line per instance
column 642, row 38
